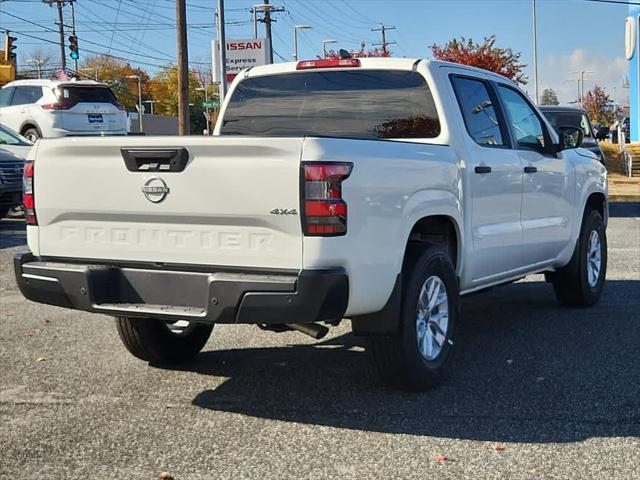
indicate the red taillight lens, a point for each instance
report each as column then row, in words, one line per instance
column 325, row 212
column 56, row 106
column 28, row 199
column 328, row 63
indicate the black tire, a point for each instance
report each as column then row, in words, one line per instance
column 153, row 341
column 571, row 282
column 397, row 357
column 32, row 134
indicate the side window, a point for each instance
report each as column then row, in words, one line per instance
column 478, row 111
column 527, row 127
column 26, row 95
column 5, row 96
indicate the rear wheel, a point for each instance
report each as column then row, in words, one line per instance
column 417, row 356
column 32, row 134
column 580, row 283
column 160, row 342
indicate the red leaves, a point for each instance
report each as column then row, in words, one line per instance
column 482, row 55
column 498, row 447
column 441, row 458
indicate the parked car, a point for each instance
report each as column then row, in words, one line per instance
column 10, row 181
column 54, row 108
column 377, row 190
column 13, row 142
column 560, row 116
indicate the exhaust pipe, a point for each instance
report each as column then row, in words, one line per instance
column 314, row 330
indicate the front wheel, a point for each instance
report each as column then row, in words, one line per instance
column 417, row 356
column 580, row 283
column 160, row 342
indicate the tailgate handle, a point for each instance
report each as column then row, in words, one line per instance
column 155, row 160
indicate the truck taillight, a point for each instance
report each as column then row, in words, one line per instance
column 328, row 63
column 28, row 198
column 324, row 210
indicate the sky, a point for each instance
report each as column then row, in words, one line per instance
column 573, row 35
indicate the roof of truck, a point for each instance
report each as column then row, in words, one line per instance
column 391, row 63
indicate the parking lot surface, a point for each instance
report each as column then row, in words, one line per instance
column 537, row 391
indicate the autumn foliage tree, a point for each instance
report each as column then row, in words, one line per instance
column 114, row 72
column 482, row 55
column 597, row 104
column 362, row 52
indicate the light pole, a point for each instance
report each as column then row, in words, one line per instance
column 324, row 46
column 581, row 83
column 38, row 62
column 137, row 77
column 206, row 108
column 295, row 39
column 535, row 53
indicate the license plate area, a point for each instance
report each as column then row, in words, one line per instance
column 95, row 118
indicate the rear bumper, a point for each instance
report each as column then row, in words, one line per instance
column 199, row 296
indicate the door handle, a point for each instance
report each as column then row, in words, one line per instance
column 530, row 169
column 482, row 169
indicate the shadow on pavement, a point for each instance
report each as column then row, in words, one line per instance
column 12, row 233
column 624, row 210
column 527, row 370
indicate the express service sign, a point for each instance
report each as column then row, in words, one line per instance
column 241, row 54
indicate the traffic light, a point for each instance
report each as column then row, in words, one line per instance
column 9, row 47
column 73, row 47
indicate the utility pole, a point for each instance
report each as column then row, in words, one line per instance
column 60, row 23
column 383, row 29
column 267, row 28
column 535, row 53
column 222, row 57
column 183, row 67
column 267, row 9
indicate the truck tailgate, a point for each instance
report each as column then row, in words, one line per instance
column 216, row 211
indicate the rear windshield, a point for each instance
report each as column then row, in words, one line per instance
column 569, row 119
column 75, row 95
column 360, row 104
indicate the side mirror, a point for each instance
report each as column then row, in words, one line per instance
column 570, row 137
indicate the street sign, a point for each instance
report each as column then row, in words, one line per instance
column 210, row 104
column 241, row 54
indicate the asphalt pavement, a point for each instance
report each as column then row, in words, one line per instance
column 537, row 392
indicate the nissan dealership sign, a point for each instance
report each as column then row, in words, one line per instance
column 241, row 54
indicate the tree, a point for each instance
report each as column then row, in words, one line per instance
column 483, row 55
column 40, row 63
column 114, row 72
column 361, row 53
column 597, row 104
column 549, row 97
column 164, row 90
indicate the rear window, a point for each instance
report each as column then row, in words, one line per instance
column 75, row 95
column 356, row 104
column 569, row 119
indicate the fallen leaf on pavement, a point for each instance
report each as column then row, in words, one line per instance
column 166, row 476
column 9, row 314
column 509, row 361
column 40, row 359
column 441, row 458
column 498, row 447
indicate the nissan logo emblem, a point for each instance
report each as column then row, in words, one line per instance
column 155, row 189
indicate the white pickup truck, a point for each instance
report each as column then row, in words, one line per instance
column 374, row 190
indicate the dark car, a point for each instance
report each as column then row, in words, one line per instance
column 574, row 117
column 11, row 167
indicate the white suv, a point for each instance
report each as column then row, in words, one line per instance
column 54, row 108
